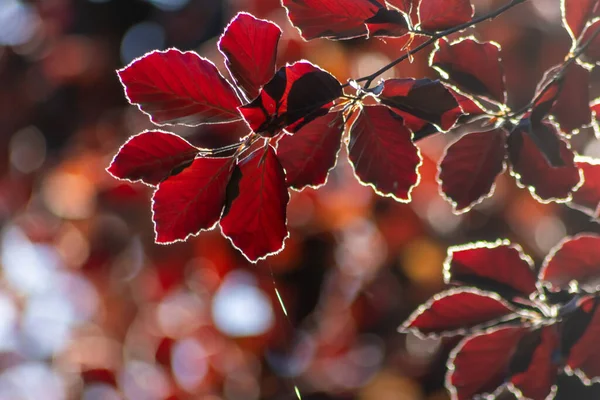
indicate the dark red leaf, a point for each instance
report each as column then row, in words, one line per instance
column 592, row 52
column 437, row 15
column 424, row 99
column 249, row 45
column 576, row 13
column 457, row 312
column 151, row 156
column 255, row 217
column 296, row 95
column 331, row 19
column 470, row 166
column 571, row 109
column 382, row 153
column 472, row 66
column 309, row 154
column 480, row 363
column 576, row 258
column 533, row 370
column 547, row 93
column 467, row 104
column 498, row 267
column 191, row 201
column 176, row 87
column 587, row 197
column 532, row 170
column 584, row 350
column 387, row 23
column 409, row 7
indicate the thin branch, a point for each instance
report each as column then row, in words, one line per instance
column 369, row 78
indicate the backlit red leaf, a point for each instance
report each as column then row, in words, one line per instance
column 470, row 166
column 255, row 217
column 297, row 94
column 424, row 99
column 387, row 23
column 480, row 363
column 576, row 13
column 583, row 352
column 309, row 154
column 592, row 52
column 383, row 154
column 571, row 109
column 587, row 197
column 533, row 369
column 577, row 259
column 457, row 311
column 472, row 66
column 151, row 156
column 532, row 169
column 437, row 15
column 498, row 267
column 331, row 19
column 176, row 87
column 191, row 201
column 408, row 7
column 250, row 48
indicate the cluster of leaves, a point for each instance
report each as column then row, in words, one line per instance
column 299, row 115
column 521, row 330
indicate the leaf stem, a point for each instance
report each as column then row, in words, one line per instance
column 370, row 78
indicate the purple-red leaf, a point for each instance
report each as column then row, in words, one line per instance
column 587, row 197
column 584, row 349
column 151, row 157
column 255, row 217
column 480, row 363
column 387, row 23
column 249, row 45
column 498, row 267
column 573, row 259
column 592, row 52
column 309, row 154
column 331, row 19
column 191, row 201
column 437, row 15
column 533, row 368
column 296, row 95
column 424, row 99
column 532, row 169
column 576, row 13
column 571, row 109
column 176, row 87
column 472, row 66
column 383, row 154
column 456, row 312
column 470, row 166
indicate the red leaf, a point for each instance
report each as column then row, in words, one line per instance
column 576, row 258
column 457, row 312
column 584, row 352
column 255, row 217
column 331, row 19
column 387, row 23
column 297, row 94
column 151, row 156
column 249, row 45
column 480, row 363
column 437, row 15
column 176, row 87
column 571, row 109
column 497, row 267
column 592, row 52
column 409, row 7
column 309, row 154
column 467, row 104
column 587, row 197
column 424, row 99
column 531, row 168
column 191, row 201
column 473, row 66
column 470, row 166
column 576, row 13
column 533, row 370
column 547, row 93
column 382, row 153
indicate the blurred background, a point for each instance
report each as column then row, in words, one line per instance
column 91, row 308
